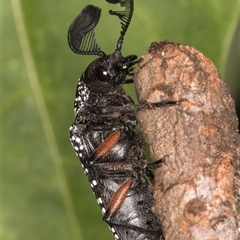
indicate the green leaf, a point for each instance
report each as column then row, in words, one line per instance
column 44, row 193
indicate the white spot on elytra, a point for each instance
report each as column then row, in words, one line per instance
column 99, row 200
column 103, row 210
column 76, row 148
column 94, row 182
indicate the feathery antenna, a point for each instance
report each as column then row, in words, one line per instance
column 81, row 36
column 124, row 16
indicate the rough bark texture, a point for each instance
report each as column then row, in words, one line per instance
column 197, row 189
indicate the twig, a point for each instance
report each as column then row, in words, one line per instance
column 197, row 190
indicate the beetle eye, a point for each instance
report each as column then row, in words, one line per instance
column 102, row 74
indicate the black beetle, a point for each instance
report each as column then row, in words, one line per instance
column 104, row 134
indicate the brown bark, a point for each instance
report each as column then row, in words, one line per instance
column 197, row 189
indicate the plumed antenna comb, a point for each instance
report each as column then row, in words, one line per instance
column 81, row 37
column 124, row 16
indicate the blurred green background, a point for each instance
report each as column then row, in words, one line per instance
column 44, row 192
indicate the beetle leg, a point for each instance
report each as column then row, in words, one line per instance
column 152, row 166
column 139, row 107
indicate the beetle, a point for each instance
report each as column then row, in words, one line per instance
column 104, row 134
